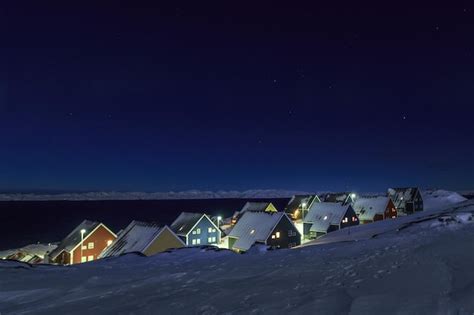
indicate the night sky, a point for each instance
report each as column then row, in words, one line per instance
column 236, row 96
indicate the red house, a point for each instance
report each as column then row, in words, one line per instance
column 375, row 209
column 84, row 243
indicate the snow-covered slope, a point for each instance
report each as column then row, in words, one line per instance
column 437, row 199
column 422, row 267
column 190, row 194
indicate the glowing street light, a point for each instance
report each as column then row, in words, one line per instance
column 83, row 231
column 353, row 195
column 303, row 205
column 219, row 218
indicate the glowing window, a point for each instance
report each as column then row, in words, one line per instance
column 90, row 245
column 90, row 258
column 273, row 236
column 198, row 241
column 194, row 242
column 210, row 230
column 198, row 231
column 109, row 242
column 345, row 220
column 83, row 259
column 84, row 247
column 277, row 234
column 194, row 232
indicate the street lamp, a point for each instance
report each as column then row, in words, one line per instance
column 83, row 231
column 303, row 205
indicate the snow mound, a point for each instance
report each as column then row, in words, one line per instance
column 437, row 199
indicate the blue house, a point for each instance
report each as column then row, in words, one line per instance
column 196, row 229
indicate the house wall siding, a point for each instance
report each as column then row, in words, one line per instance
column 285, row 240
column 164, row 241
column 204, row 234
column 99, row 238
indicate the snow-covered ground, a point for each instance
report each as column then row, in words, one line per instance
column 420, row 264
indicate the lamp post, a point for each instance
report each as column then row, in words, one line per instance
column 303, row 205
column 219, row 218
column 83, row 231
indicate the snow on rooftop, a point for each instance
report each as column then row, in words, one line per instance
column 367, row 208
column 254, row 227
column 136, row 237
column 324, row 214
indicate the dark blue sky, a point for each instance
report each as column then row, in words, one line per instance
column 221, row 96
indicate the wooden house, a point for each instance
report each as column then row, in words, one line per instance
column 406, row 200
column 374, row 209
column 253, row 207
column 346, row 198
column 145, row 238
column 325, row 217
column 84, row 243
column 299, row 205
column 196, row 229
column 273, row 229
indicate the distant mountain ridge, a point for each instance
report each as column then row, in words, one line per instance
column 189, row 194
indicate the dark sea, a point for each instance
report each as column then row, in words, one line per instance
column 28, row 222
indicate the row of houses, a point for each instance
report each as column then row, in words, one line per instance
column 304, row 218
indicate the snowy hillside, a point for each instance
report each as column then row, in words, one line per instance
column 190, row 194
column 436, row 199
column 420, row 264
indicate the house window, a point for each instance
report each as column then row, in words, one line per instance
column 345, row 220
column 290, row 233
column 198, row 231
column 211, row 239
column 194, row 232
column 83, row 259
column 277, row 234
column 198, row 241
column 209, row 230
column 90, row 258
column 84, row 247
column 354, row 219
column 273, row 236
column 90, row 245
column 194, row 242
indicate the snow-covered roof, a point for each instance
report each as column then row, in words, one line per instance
column 324, row 214
column 136, row 237
column 402, row 195
column 74, row 238
column 297, row 200
column 185, row 222
column 254, row 227
column 367, row 208
column 256, row 206
column 344, row 197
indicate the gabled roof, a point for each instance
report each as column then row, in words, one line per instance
column 344, row 197
column 255, row 227
column 258, row 206
column 74, row 238
column 136, row 237
column 297, row 200
column 324, row 214
column 402, row 195
column 367, row 208
column 185, row 222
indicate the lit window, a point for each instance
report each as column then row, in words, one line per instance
column 273, row 236
column 198, row 231
column 194, row 232
column 90, row 258
column 109, row 242
column 83, row 259
column 209, row 230
column 325, row 217
column 84, row 247
column 90, row 245
column 345, row 220
column 252, row 232
column 194, row 242
column 354, row 219
column 214, row 239
column 277, row 234
column 209, row 239
column 198, row 241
